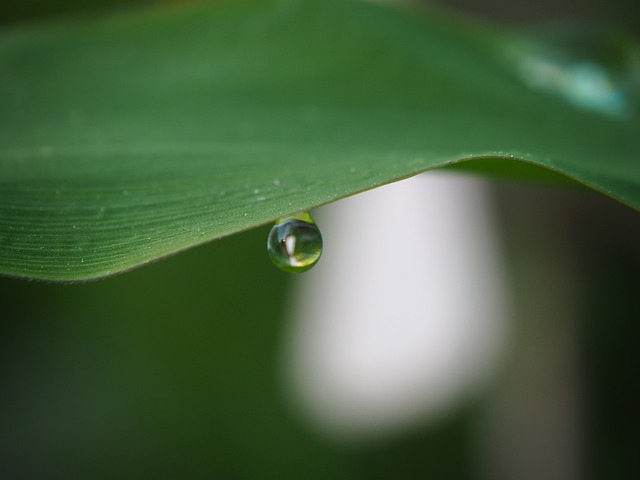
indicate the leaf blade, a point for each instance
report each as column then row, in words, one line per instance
column 135, row 137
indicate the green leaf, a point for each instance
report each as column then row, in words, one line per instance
column 30, row 9
column 128, row 138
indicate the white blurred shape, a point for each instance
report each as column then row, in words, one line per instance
column 406, row 311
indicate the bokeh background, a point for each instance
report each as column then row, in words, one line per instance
column 188, row 368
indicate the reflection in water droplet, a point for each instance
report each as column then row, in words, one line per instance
column 295, row 243
column 590, row 70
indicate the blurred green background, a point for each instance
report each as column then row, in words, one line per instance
column 174, row 369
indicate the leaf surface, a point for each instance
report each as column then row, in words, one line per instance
column 128, row 138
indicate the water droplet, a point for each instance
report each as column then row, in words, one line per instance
column 295, row 243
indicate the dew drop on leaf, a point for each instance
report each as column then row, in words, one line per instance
column 295, row 243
